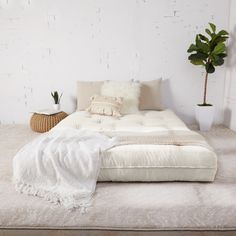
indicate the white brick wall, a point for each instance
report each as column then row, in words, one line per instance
column 230, row 92
column 48, row 45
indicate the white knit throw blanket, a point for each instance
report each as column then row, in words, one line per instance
column 61, row 166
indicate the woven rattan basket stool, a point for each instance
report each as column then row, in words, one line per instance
column 42, row 123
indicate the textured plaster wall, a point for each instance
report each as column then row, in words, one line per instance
column 47, row 45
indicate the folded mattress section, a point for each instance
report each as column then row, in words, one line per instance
column 158, row 163
column 147, row 162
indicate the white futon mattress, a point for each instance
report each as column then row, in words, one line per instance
column 147, row 162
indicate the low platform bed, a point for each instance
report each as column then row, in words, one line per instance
column 133, row 208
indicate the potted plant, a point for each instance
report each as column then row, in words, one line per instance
column 57, row 100
column 208, row 51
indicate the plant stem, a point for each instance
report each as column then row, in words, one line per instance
column 205, row 89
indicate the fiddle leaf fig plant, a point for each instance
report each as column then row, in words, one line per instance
column 209, row 51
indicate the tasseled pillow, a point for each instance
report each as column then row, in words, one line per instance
column 104, row 105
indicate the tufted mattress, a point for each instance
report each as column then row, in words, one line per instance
column 147, row 162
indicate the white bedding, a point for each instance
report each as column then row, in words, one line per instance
column 146, row 162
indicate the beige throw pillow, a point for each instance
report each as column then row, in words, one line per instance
column 85, row 90
column 104, row 105
column 150, row 95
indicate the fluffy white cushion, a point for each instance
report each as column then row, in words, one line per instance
column 128, row 90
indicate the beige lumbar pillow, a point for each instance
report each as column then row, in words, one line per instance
column 104, row 105
column 128, row 90
column 150, row 97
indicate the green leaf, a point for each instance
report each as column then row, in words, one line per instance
column 223, row 55
column 220, row 61
column 220, row 39
column 216, row 60
column 213, row 27
column 197, row 62
column 198, row 56
column 192, row 48
column 208, row 32
column 204, row 38
column 197, row 39
column 209, row 68
column 219, row 48
column 217, row 39
column 203, row 46
column 223, row 32
column 56, row 97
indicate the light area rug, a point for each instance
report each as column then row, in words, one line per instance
column 136, row 206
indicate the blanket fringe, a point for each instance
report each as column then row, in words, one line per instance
column 70, row 202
